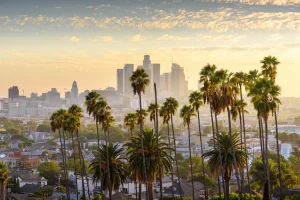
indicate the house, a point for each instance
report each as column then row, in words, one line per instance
column 39, row 136
column 31, row 179
column 186, row 189
column 33, row 162
column 286, row 150
column 29, row 188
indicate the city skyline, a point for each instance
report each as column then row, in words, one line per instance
column 50, row 44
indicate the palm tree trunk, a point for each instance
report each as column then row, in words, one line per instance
column 142, row 143
column 278, row 157
column 267, row 157
column 262, row 143
column 191, row 163
column 245, row 146
column 66, row 168
column 233, row 152
column 203, row 171
column 140, row 191
column 100, row 174
column 63, row 158
column 136, row 192
column 81, row 165
column 213, row 130
column 108, row 168
column 157, row 150
column 150, row 189
column 227, row 179
column 175, row 151
column 241, row 136
column 172, row 176
column 75, row 168
column 219, row 150
column 131, row 132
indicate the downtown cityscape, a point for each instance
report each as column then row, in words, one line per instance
column 149, row 100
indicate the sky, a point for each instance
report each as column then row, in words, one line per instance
column 51, row 43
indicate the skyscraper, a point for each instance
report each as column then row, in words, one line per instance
column 146, row 62
column 53, row 98
column 146, row 67
column 175, row 79
column 120, row 81
column 127, row 72
column 13, row 92
column 155, row 76
column 74, row 93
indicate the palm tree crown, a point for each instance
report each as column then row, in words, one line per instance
column 139, row 80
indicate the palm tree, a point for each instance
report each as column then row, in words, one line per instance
column 264, row 96
column 130, row 120
column 209, row 97
column 196, row 100
column 139, row 81
column 57, row 123
column 94, row 105
column 135, row 157
column 171, row 105
column 3, row 180
column 228, row 91
column 225, row 143
column 143, row 118
column 152, row 111
column 166, row 120
column 186, row 113
column 269, row 71
column 111, row 162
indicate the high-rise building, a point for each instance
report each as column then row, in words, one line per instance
column 68, row 95
column 155, row 76
column 175, row 79
column 74, row 93
column 13, row 92
column 53, row 98
column 127, row 72
column 146, row 62
column 165, row 82
column 120, row 81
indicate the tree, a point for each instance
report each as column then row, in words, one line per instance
column 297, row 121
column 139, row 81
column 129, row 121
column 152, row 111
column 45, row 127
column 227, row 157
column 171, row 106
column 196, row 100
column 50, row 171
column 3, row 180
column 186, row 113
column 13, row 131
column 118, row 169
column 135, row 157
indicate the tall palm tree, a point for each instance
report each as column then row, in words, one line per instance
column 143, row 118
column 94, row 105
column 3, row 180
column 57, row 123
column 228, row 91
column 135, row 158
column 139, row 81
column 225, row 143
column 196, row 100
column 113, row 164
column 171, row 105
column 164, row 113
column 269, row 71
column 264, row 96
column 152, row 111
column 209, row 97
column 186, row 113
column 129, row 121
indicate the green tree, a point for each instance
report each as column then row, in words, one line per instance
column 3, row 180
column 13, row 131
column 45, row 127
column 129, row 121
column 225, row 144
column 152, row 110
column 135, row 157
column 139, row 81
column 50, row 171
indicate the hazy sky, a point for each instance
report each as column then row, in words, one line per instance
column 50, row 43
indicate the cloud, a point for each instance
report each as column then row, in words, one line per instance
column 71, row 38
column 58, row 7
column 275, row 37
column 102, row 38
column 170, row 37
column 228, row 38
column 136, row 38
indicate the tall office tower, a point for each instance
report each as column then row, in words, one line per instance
column 182, row 86
column 165, row 82
column 155, row 76
column 53, row 98
column 74, row 93
column 127, row 72
column 175, row 79
column 120, row 81
column 13, row 92
column 68, row 95
column 146, row 62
